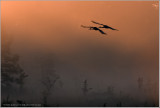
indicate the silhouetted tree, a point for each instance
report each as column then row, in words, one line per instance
column 48, row 82
column 11, row 71
column 49, row 77
column 85, row 88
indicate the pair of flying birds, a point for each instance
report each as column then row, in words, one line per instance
column 98, row 28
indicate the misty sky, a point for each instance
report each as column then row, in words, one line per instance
column 40, row 27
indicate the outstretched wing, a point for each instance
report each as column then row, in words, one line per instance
column 112, row 28
column 106, row 26
column 96, row 23
column 102, row 32
column 85, row 26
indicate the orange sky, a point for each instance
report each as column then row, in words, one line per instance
column 55, row 25
column 52, row 20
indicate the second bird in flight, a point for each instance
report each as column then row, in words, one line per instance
column 98, row 28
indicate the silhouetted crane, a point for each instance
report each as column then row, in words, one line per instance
column 94, row 28
column 104, row 26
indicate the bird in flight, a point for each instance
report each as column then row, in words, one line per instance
column 104, row 26
column 94, row 28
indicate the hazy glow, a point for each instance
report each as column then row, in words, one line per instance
column 55, row 26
